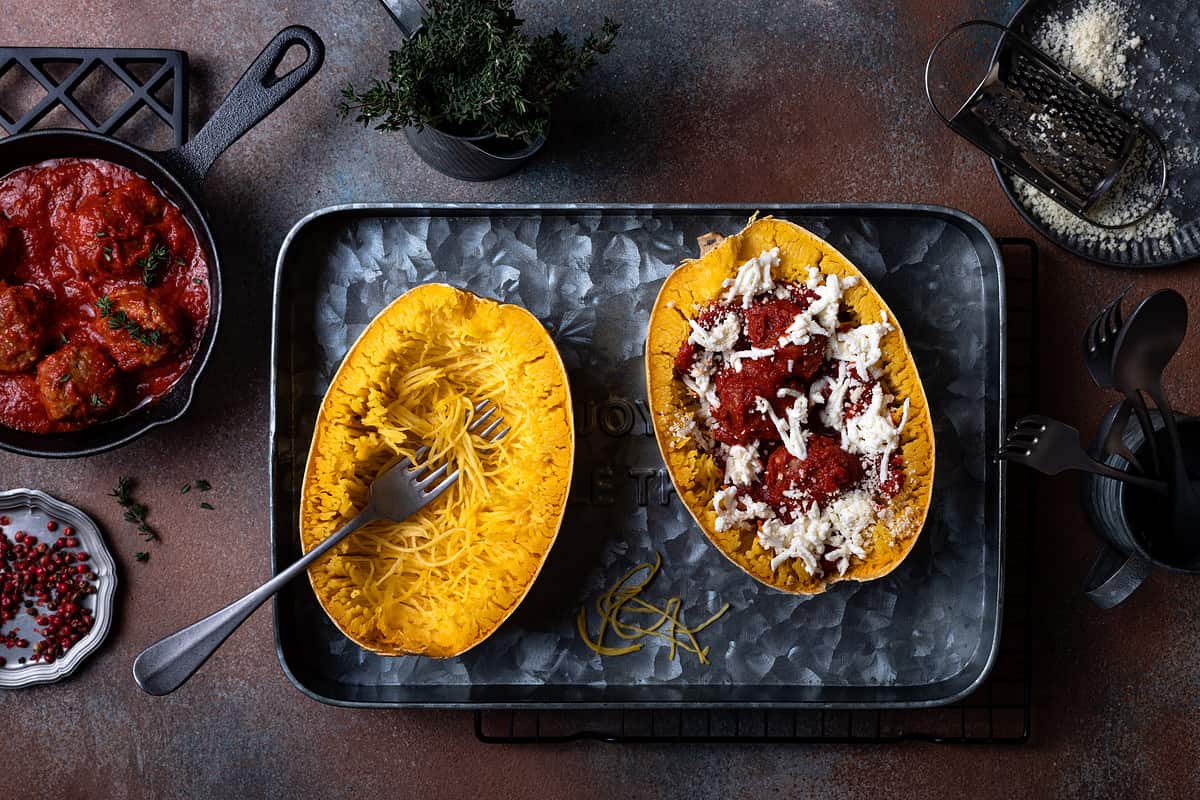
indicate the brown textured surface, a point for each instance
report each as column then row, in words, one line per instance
column 698, row 103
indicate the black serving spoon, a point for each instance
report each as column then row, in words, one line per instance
column 1147, row 342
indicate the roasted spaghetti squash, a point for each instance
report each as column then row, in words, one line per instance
column 443, row 580
column 789, row 411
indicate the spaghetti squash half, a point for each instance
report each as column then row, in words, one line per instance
column 443, row 580
column 789, row 411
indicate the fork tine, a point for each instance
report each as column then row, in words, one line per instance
column 425, row 480
column 1116, row 320
column 1089, row 336
column 1029, row 423
column 443, row 486
column 416, row 465
column 482, row 418
column 487, row 431
column 502, row 433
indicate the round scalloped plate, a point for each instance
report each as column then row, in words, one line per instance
column 1167, row 70
column 30, row 510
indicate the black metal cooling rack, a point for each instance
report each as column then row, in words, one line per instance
column 999, row 712
column 101, row 89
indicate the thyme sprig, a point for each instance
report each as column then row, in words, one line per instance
column 135, row 512
column 155, row 260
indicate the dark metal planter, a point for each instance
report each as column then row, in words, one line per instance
column 468, row 158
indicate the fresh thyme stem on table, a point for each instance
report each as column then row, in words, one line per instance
column 135, row 512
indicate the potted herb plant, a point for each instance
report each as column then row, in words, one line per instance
column 471, row 92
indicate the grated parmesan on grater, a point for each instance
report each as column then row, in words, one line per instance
column 1094, row 42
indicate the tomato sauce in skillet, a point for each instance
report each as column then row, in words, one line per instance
column 104, row 294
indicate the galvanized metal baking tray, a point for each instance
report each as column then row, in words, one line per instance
column 924, row 635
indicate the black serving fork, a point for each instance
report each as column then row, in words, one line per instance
column 1051, row 447
column 1099, row 342
column 398, row 492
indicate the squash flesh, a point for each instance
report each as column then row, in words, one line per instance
column 695, row 474
column 446, row 578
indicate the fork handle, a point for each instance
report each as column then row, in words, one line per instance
column 1159, row 487
column 165, row 665
column 1143, row 414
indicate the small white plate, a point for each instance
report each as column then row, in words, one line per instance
column 29, row 510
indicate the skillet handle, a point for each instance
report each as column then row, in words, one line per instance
column 256, row 94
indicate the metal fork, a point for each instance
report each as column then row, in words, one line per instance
column 400, row 491
column 1099, row 341
column 1114, row 440
column 1051, row 447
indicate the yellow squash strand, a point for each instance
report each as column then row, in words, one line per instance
column 623, row 598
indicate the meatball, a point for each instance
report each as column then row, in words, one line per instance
column 110, row 233
column 739, row 420
column 78, row 383
column 138, row 330
column 826, row 472
column 22, row 327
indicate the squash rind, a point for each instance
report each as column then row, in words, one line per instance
column 528, row 365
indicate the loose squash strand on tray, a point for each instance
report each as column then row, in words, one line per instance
column 623, row 598
column 452, row 572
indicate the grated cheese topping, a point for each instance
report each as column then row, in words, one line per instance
column 722, row 336
column 742, row 464
column 753, row 278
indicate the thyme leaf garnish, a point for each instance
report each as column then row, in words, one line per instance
column 135, row 512
column 155, row 260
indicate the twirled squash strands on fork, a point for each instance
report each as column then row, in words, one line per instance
column 444, row 580
column 696, row 474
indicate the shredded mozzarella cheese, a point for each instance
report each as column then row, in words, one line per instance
column 753, row 278
column 861, row 346
column 790, row 426
column 742, row 464
column 737, row 512
column 721, row 336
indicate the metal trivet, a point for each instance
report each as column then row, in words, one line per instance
column 999, row 712
column 74, row 78
column 1050, row 127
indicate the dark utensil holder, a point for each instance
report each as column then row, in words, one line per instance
column 1128, row 517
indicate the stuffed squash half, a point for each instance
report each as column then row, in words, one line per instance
column 789, row 410
column 443, row 580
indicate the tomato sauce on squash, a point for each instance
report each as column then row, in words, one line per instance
column 82, row 232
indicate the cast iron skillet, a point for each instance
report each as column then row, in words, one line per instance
column 178, row 174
